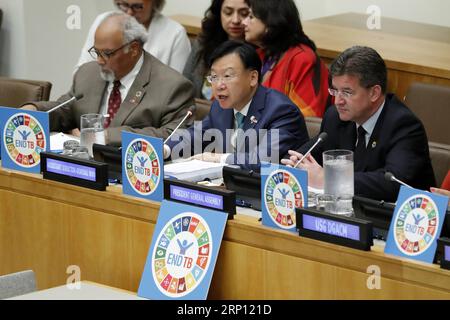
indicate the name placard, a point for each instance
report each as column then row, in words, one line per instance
column 201, row 196
column 444, row 245
column 142, row 166
column 80, row 172
column 346, row 231
column 283, row 190
column 24, row 135
column 183, row 252
column 416, row 224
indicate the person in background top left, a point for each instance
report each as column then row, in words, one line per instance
column 222, row 22
column 166, row 40
column 137, row 92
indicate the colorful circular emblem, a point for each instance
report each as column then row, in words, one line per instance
column 24, row 140
column 142, row 167
column 283, row 194
column 416, row 225
column 181, row 257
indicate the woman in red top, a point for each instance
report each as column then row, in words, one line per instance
column 290, row 61
column 445, row 187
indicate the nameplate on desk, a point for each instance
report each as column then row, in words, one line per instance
column 80, row 172
column 444, row 244
column 346, row 231
column 202, row 196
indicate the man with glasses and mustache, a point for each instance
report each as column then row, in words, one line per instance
column 383, row 133
column 167, row 39
column 134, row 90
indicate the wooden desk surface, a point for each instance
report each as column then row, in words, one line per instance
column 413, row 52
column 47, row 226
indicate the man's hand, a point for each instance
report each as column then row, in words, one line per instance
column 30, row 107
column 75, row 132
column 315, row 171
column 293, row 159
column 208, row 156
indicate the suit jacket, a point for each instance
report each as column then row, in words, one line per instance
column 398, row 144
column 269, row 110
column 156, row 102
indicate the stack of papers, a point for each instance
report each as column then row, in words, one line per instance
column 57, row 140
column 194, row 170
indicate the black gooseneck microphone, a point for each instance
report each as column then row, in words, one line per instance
column 389, row 176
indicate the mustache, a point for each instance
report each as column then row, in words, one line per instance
column 107, row 75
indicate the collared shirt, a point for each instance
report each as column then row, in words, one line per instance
column 243, row 111
column 369, row 125
column 125, row 85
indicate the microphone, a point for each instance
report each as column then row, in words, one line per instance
column 166, row 148
column 389, row 176
column 253, row 120
column 74, row 98
column 322, row 137
column 188, row 114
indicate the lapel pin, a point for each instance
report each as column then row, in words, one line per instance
column 374, row 144
column 253, row 120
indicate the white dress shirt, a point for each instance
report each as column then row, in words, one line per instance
column 244, row 111
column 369, row 125
column 167, row 41
column 125, row 85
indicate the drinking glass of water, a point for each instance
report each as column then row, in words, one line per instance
column 92, row 131
column 339, row 181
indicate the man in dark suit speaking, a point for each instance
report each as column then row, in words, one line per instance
column 247, row 123
column 136, row 91
column 383, row 133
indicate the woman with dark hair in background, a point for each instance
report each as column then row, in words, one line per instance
column 222, row 22
column 290, row 62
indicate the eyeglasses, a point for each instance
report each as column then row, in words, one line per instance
column 344, row 94
column 215, row 79
column 105, row 54
column 135, row 7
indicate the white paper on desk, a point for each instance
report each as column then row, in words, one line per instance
column 194, row 170
column 57, row 140
column 314, row 190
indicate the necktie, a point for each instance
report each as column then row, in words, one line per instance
column 360, row 149
column 113, row 103
column 240, row 120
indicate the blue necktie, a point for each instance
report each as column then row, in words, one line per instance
column 240, row 120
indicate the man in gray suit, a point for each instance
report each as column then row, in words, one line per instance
column 134, row 90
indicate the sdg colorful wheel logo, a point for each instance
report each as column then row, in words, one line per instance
column 142, row 167
column 182, row 255
column 24, row 139
column 416, row 225
column 283, row 195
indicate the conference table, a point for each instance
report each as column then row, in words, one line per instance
column 413, row 52
column 48, row 226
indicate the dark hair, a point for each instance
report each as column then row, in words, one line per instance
column 246, row 52
column 158, row 5
column 212, row 34
column 363, row 62
column 284, row 28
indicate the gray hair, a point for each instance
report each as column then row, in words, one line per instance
column 132, row 29
column 364, row 63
